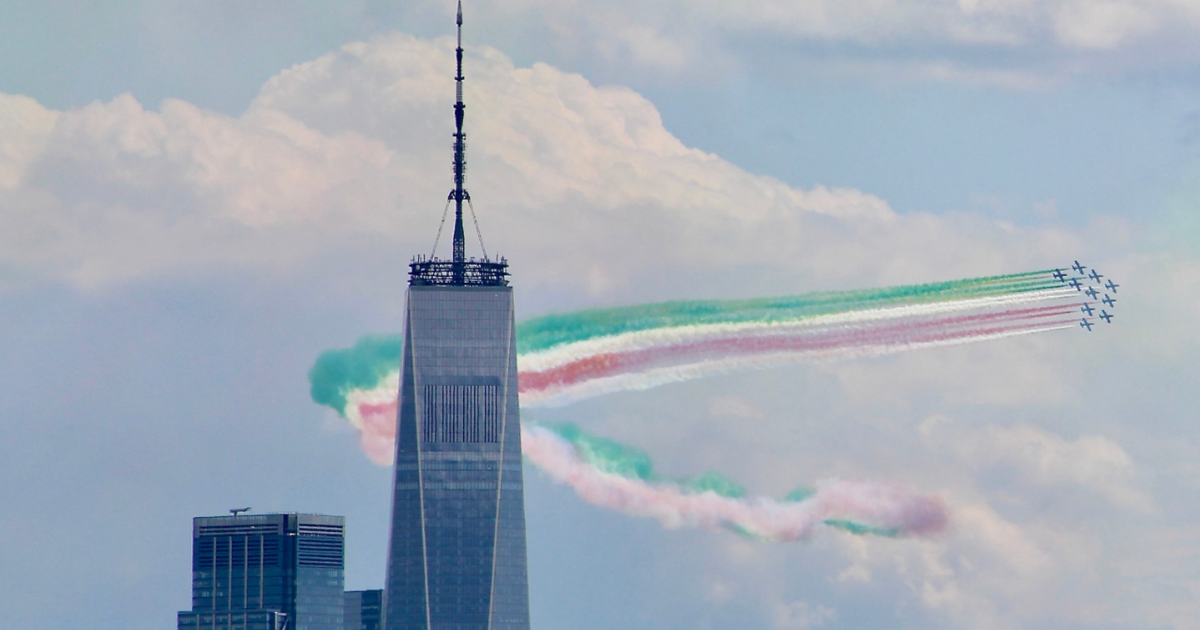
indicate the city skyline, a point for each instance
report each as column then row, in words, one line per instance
column 194, row 204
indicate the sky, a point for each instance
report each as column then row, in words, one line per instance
column 197, row 200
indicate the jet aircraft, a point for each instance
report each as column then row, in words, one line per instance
column 1109, row 301
column 1075, row 283
column 1111, row 286
column 1084, row 323
column 1060, row 275
column 1095, row 276
column 1087, row 308
column 1078, row 267
column 1106, row 317
column 1092, row 292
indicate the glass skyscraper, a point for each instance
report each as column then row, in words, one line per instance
column 267, row 572
column 456, row 557
column 364, row 610
column 457, row 554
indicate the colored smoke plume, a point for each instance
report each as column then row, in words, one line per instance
column 616, row 477
column 568, row 357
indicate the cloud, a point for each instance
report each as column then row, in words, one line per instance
column 113, row 192
column 348, row 155
column 560, row 170
column 1105, row 25
column 1018, row 44
column 24, row 129
column 800, row 615
column 1093, row 462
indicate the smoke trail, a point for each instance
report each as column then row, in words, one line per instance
column 564, row 358
column 616, row 477
column 645, row 360
column 552, row 330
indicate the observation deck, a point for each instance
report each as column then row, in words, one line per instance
column 470, row 273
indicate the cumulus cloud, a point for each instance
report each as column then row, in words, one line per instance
column 561, row 170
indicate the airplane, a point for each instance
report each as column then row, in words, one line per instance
column 1095, row 276
column 1087, row 308
column 1109, row 301
column 1084, row 323
column 1075, row 283
column 1078, row 267
column 1060, row 275
column 1111, row 286
column 1106, row 317
column 236, row 511
column 1092, row 292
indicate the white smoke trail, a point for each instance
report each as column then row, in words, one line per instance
column 647, row 339
column 882, row 506
column 657, row 377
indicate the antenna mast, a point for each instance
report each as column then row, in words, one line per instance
column 458, row 271
column 459, row 194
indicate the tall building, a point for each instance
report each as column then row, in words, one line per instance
column 266, row 572
column 364, row 610
column 456, row 557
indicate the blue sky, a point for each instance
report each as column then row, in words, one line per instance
column 195, row 202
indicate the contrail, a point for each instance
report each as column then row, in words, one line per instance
column 569, row 357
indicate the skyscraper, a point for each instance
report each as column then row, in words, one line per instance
column 266, row 572
column 364, row 610
column 456, row 557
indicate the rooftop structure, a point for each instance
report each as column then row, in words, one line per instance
column 266, row 572
column 459, row 270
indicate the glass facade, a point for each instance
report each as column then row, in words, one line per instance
column 364, row 610
column 456, row 559
column 266, row 572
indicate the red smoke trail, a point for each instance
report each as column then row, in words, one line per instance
column 612, row 363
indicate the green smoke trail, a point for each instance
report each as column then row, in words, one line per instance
column 364, row 365
column 628, row 462
column 618, row 459
column 860, row 529
column 551, row 330
column 361, row 366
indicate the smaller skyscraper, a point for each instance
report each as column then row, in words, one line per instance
column 364, row 610
column 267, row 572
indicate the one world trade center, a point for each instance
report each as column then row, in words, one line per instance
column 456, row 556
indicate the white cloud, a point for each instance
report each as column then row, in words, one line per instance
column 24, row 128
column 1017, row 43
column 577, row 181
column 1093, row 462
column 560, row 170
column 800, row 615
column 1105, row 25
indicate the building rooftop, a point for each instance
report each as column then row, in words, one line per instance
column 471, row 273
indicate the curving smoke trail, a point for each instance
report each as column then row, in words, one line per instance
column 616, row 477
column 564, row 358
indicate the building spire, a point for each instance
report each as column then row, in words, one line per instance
column 458, row 271
column 459, row 194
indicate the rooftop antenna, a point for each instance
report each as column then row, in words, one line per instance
column 236, row 511
column 459, row 194
column 458, row 271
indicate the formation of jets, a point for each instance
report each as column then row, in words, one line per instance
column 1091, row 280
